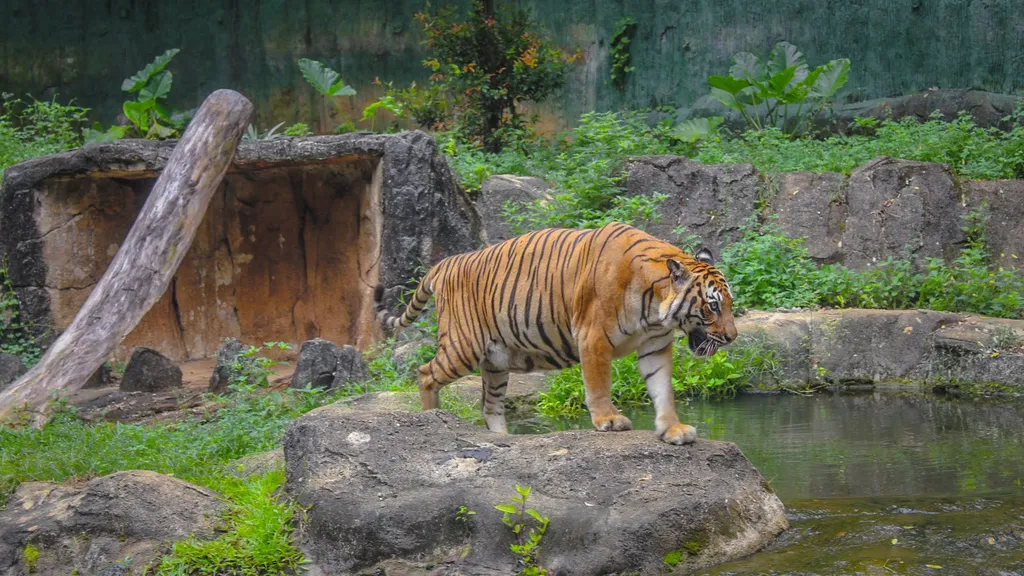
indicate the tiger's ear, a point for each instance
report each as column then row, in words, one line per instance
column 678, row 271
column 705, row 256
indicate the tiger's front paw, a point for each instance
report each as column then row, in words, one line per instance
column 680, row 434
column 614, row 423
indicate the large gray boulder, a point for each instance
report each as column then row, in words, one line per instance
column 902, row 208
column 813, row 207
column 89, row 528
column 1004, row 206
column 150, row 371
column 323, row 364
column 887, row 347
column 709, row 201
column 384, row 488
column 495, row 192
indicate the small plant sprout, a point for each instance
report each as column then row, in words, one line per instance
column 528, row 538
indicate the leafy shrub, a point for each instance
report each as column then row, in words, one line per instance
column 298, row 129
column 763, row 92
column 430, row 108
column 492, row 60
column 36, row 128
column 720, row 376
column 619, row 50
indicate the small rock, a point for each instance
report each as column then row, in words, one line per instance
column 11, row 368
column 316, row 364
column 150, row 371
column 351, row 368
column 100, row 378
column 225, row 372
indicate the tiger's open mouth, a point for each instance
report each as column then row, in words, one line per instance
column 700, row 344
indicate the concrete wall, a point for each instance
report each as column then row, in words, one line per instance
column 84, row 49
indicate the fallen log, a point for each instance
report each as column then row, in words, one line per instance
column 146, row 262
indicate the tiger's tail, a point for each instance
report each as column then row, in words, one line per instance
column 412, row 310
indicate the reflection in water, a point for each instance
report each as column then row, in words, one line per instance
column 857, row 470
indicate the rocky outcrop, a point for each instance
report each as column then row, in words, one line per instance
column 290, row 248
column 885, row 209
column 386, row 487
column 939, row 349
column 126, row 514
column 11, row 367
column 709, row 201
column 150, row 371
column 322, row 364
column 900, row 208
column 224, row 372
column 495, row 192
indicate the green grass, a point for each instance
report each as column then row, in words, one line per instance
column 721, row 376
column 37, row 128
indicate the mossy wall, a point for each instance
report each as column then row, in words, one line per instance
column 84, row 49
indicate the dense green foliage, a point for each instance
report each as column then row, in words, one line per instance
column 721, row 376
column 16, row 334
column 767, row 270
column 488, row 64
column 36, row 128
column 782, row 92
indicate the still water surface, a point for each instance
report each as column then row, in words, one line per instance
column 874, row 482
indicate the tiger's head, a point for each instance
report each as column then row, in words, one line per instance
column 699, row 302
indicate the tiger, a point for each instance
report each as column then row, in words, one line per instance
column 552, row 298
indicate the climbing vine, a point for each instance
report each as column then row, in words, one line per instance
column 15, row 334
column 620, row 51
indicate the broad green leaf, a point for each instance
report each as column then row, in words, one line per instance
column 728, row 84
column 726, row 98
column 751, row 96
column 137, row 113
column 138, row 81
column 799, row 91
column 339, row 88
column 506, row 508
column 784, row 56
column 781, row 80
column 158, row 87
column 96, row 135
column 158, row 132
column 324, row 80
column 746, row 66
column 162, row 111
column 831, row 78
column 535, row 515
column 695, row 129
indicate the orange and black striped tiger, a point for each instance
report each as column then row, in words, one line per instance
column 557, row 297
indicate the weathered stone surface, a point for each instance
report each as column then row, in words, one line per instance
column 150, row 371
column 812, row 206
column 901, row 208
column 124, row 514
column 890, row 347
column 224, row 372
column 350, row 368
column 710, row 201
column 323, row 364
column 11, row 367
column 1005, row 209
column 316, row 364
column 495, row 192
column 290, row 248
column 522, row 394
column 386, row 486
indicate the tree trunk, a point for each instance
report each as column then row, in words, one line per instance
column 145, row 263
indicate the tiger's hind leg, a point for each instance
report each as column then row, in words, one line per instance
column 438, row 373
column 492, row 396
